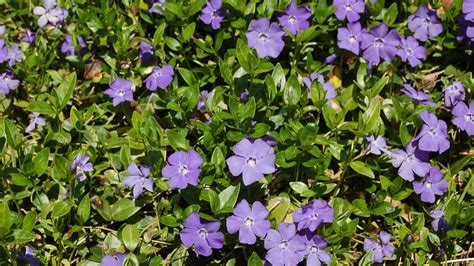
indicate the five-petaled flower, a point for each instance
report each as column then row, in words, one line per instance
column 159, row 78
column 411, row 161
column 30, row 36
column 138, row 179
column 183, row 169
column 315, row 250
column 439, row 221
column 35, row 119
column 7, row 83
column 464, row 117
column 453, row 94
column 379, row 250
column 434, row 133
column 418, row 97
column 67, row 47
column 81, row 164
column 147, row 53
column 115, row 259
column 349, row 9
column 424, row 23
column 212, row 14
column 14, row 55
column 203, row 234
column 376, row 145
column 380, row 43
column 284, row 247
column 349, row 38
column 266, row 38
column 411, row 51
column 49, row 13
column 433, row 185
column 120, row 90
column 249, row 222
column 295, row 18
column 252, row 160
column 311, row 215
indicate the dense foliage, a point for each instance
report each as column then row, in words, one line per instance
column 236, row 132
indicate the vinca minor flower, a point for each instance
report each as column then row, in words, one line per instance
column 439, row 221
column 49, row 13
column 453, row 94
column 7, row 83
column 434, row 133
column 464, row 117
column 146, row 53
column 417, row 97
column 379, row 250
column 67, row 47
column 252, row 160
column 35, row 119
column 349, row 38
column 433, row 185
column 376, row 145
column 411, row 51
column 120, row 90
column 249, row 222
column 203, row 234
column 328, row 87
column 115, row 259
column 411, row 161
column 266, row 38
column 311, row 215
column 424, row 23
column 14, row 55
column 80, row 165
column 284, row 247
column 349, row 9
column 30, row 36
column 212, row 14
column 157, row 6
column 138, row 179
column 315, row 250
column 295, row 18
column 159, row 78
column 380, row 43
column 183, row 169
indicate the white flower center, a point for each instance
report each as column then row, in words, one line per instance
column 409, row 51
column 183, row 170
column 78, row 167
column 378, row 42
column 292, row 19
column 157, row 74
column 248, row 221
column 203, row 233
column 432, row 131
column 314, row 249
column 426, row 22
column 429, row 184
column 215, row 14
column 348, row 7
column 283, row 244
column 469, row 117
column 313, row 216
column 251, row 162
column 262, row 37
column 352, row 38
column 121, row 93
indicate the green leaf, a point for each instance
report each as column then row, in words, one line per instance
column 279, row 207
column 254, row 260
column 41, row 161
column 5, row 217
column 383, row 208
column 14, row 138
column 20, row 236
column 228, row 198
column 292, row 91
column 65, row 90
column 457, row 233
column 188, row 76
column 391, row 14
column 130, row 236
column 60, row 208
column 371, row 117
column 20, row 180
column 84, row 209
column 248, row 109
column 189, row 31
column 41, row 108
column 29, row 221
column 362, row 168
column 123, row 209
column 243, row 52
column 298, row 187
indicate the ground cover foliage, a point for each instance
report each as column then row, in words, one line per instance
column 236, row 132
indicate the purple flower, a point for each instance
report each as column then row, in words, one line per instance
column 350, row 9
column 7, row 83
column 203, row 234
column 159, row 78
column 116, row 259
column 380, row 43
column 284, row 247
column 67, row 47
column 120, row 90
column 330, row 59
column 295, row 18
column 35, row 119
column 453, row 94
column 30, row 36
column 183, row 169
column 266, row 38
column 14, row 55
column 138, row 179
column 434, row 133
column 466, row 31
column 349, row 38
column 315, row 250
column 29, row 257
column 248, row 222
column 439, row 221
column 50, row 13
column 464, row 117
column 379, row 250
column 311, row 215
column 468, row 10
column 433, row 185
column 410, row 50
column 2, row 29
column 252, row 160
column 418, row 97
column 328, row 87
column 424, row 23
column 146, row 53
column 156, row 7
column 411, row 161
column 376, row 145
column 213, row 14
column 80, row 165
column 244, row 96
column 201, row 105
column 3, row 51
